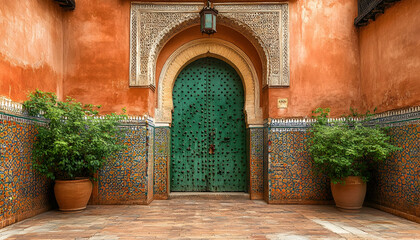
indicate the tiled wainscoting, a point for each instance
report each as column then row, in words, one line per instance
column 279, row 166
column 23, row 192
column 127, row 178
column 395, row 185
column 161, row 168
column 288, row 168
column 256, row 162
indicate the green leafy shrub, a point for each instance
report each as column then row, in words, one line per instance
column 348, row 147
column 76, row 142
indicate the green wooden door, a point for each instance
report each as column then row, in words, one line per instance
column 208, row 129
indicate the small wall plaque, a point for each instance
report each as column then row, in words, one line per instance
column 282, row 103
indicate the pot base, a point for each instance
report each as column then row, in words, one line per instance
column 348, row 210
column 72, row 210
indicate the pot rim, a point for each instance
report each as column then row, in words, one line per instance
column 350, row 180
column 73, row 180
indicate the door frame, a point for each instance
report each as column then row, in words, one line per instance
column 229, row 53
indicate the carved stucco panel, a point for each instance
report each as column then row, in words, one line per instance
column 149, row 24
column 153, row 24
column 270, row 25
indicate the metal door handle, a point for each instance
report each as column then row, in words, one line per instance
column 211, row 149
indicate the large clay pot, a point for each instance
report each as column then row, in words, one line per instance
column 72, row 195
column 350, row 194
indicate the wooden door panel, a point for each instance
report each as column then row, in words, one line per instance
column 208, row 129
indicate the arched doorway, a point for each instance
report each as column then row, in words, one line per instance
column 174, row 64
column 208, row 140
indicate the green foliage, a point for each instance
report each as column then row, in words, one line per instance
column 75, row 142
column 346, row 148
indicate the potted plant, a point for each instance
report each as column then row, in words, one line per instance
column 72, row 146
column 345, row 151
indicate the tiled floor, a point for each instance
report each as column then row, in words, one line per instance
column 201, row 218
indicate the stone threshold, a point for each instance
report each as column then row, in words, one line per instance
column 209, row 195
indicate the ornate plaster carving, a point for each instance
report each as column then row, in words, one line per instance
column 269, row 24
column 265, row 25
column 215, row 48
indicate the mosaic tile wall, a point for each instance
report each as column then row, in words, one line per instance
column 394, row 186
column 279, row 166
column 151, row 162
column 396, row 182
column 23, row 192
column 161, row 168
column 127, row 177
column 265, row 165
column 288, row 169
column 256, row 155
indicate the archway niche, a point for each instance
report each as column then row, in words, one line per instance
column 208, row 47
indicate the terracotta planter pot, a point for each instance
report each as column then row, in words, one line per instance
column 350, row 194
column 72, row 195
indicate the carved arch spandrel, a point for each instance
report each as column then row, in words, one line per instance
column 240, row 27
column 215, row 48
column 265, row 25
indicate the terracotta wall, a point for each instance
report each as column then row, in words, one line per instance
column 326, row 68
column 97, row 56
column 323, row 56
column 31, row 48
column 96, row 52
column 390, row 58
column 324, row 61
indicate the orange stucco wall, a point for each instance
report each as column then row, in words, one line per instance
column 326, row 67
column 332, row 64
column 324, row 60
column 97, row 56
column 31, row 48
column 96, row 52
column 390, row 58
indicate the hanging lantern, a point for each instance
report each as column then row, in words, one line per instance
column 208, row 19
